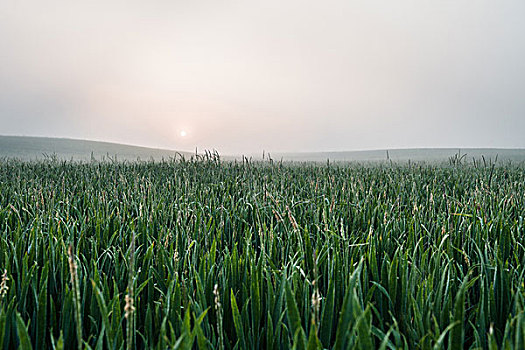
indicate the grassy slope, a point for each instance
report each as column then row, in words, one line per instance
column 31, row 148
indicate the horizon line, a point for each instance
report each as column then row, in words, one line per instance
column 263, row 151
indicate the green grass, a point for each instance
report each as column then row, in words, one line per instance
column 261, row 255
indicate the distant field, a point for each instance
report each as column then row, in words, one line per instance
column 404, row 155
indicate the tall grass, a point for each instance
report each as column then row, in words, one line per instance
column 205, row 254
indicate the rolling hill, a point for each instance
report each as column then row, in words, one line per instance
column 37, row 148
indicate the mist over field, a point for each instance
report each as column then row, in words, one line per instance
column 243, row 77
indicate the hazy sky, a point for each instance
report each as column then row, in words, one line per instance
column 243, row 76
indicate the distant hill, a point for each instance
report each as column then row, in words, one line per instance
column 430, row 155
column 37, row 148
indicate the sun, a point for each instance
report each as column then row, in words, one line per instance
column 183, row 133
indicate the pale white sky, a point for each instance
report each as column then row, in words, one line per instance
column 243, row 76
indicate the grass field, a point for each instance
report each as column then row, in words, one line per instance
column 208, row 254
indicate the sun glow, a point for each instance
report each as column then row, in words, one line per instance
column 183, row 133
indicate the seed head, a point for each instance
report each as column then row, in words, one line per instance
column 216, row 293
column 72, row 264
column 129, row 308
column 292, row 219
column 316, row 302
column 3, row 285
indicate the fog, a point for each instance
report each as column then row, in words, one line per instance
column 247, row 76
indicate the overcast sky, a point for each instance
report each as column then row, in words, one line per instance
column 279, row 75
